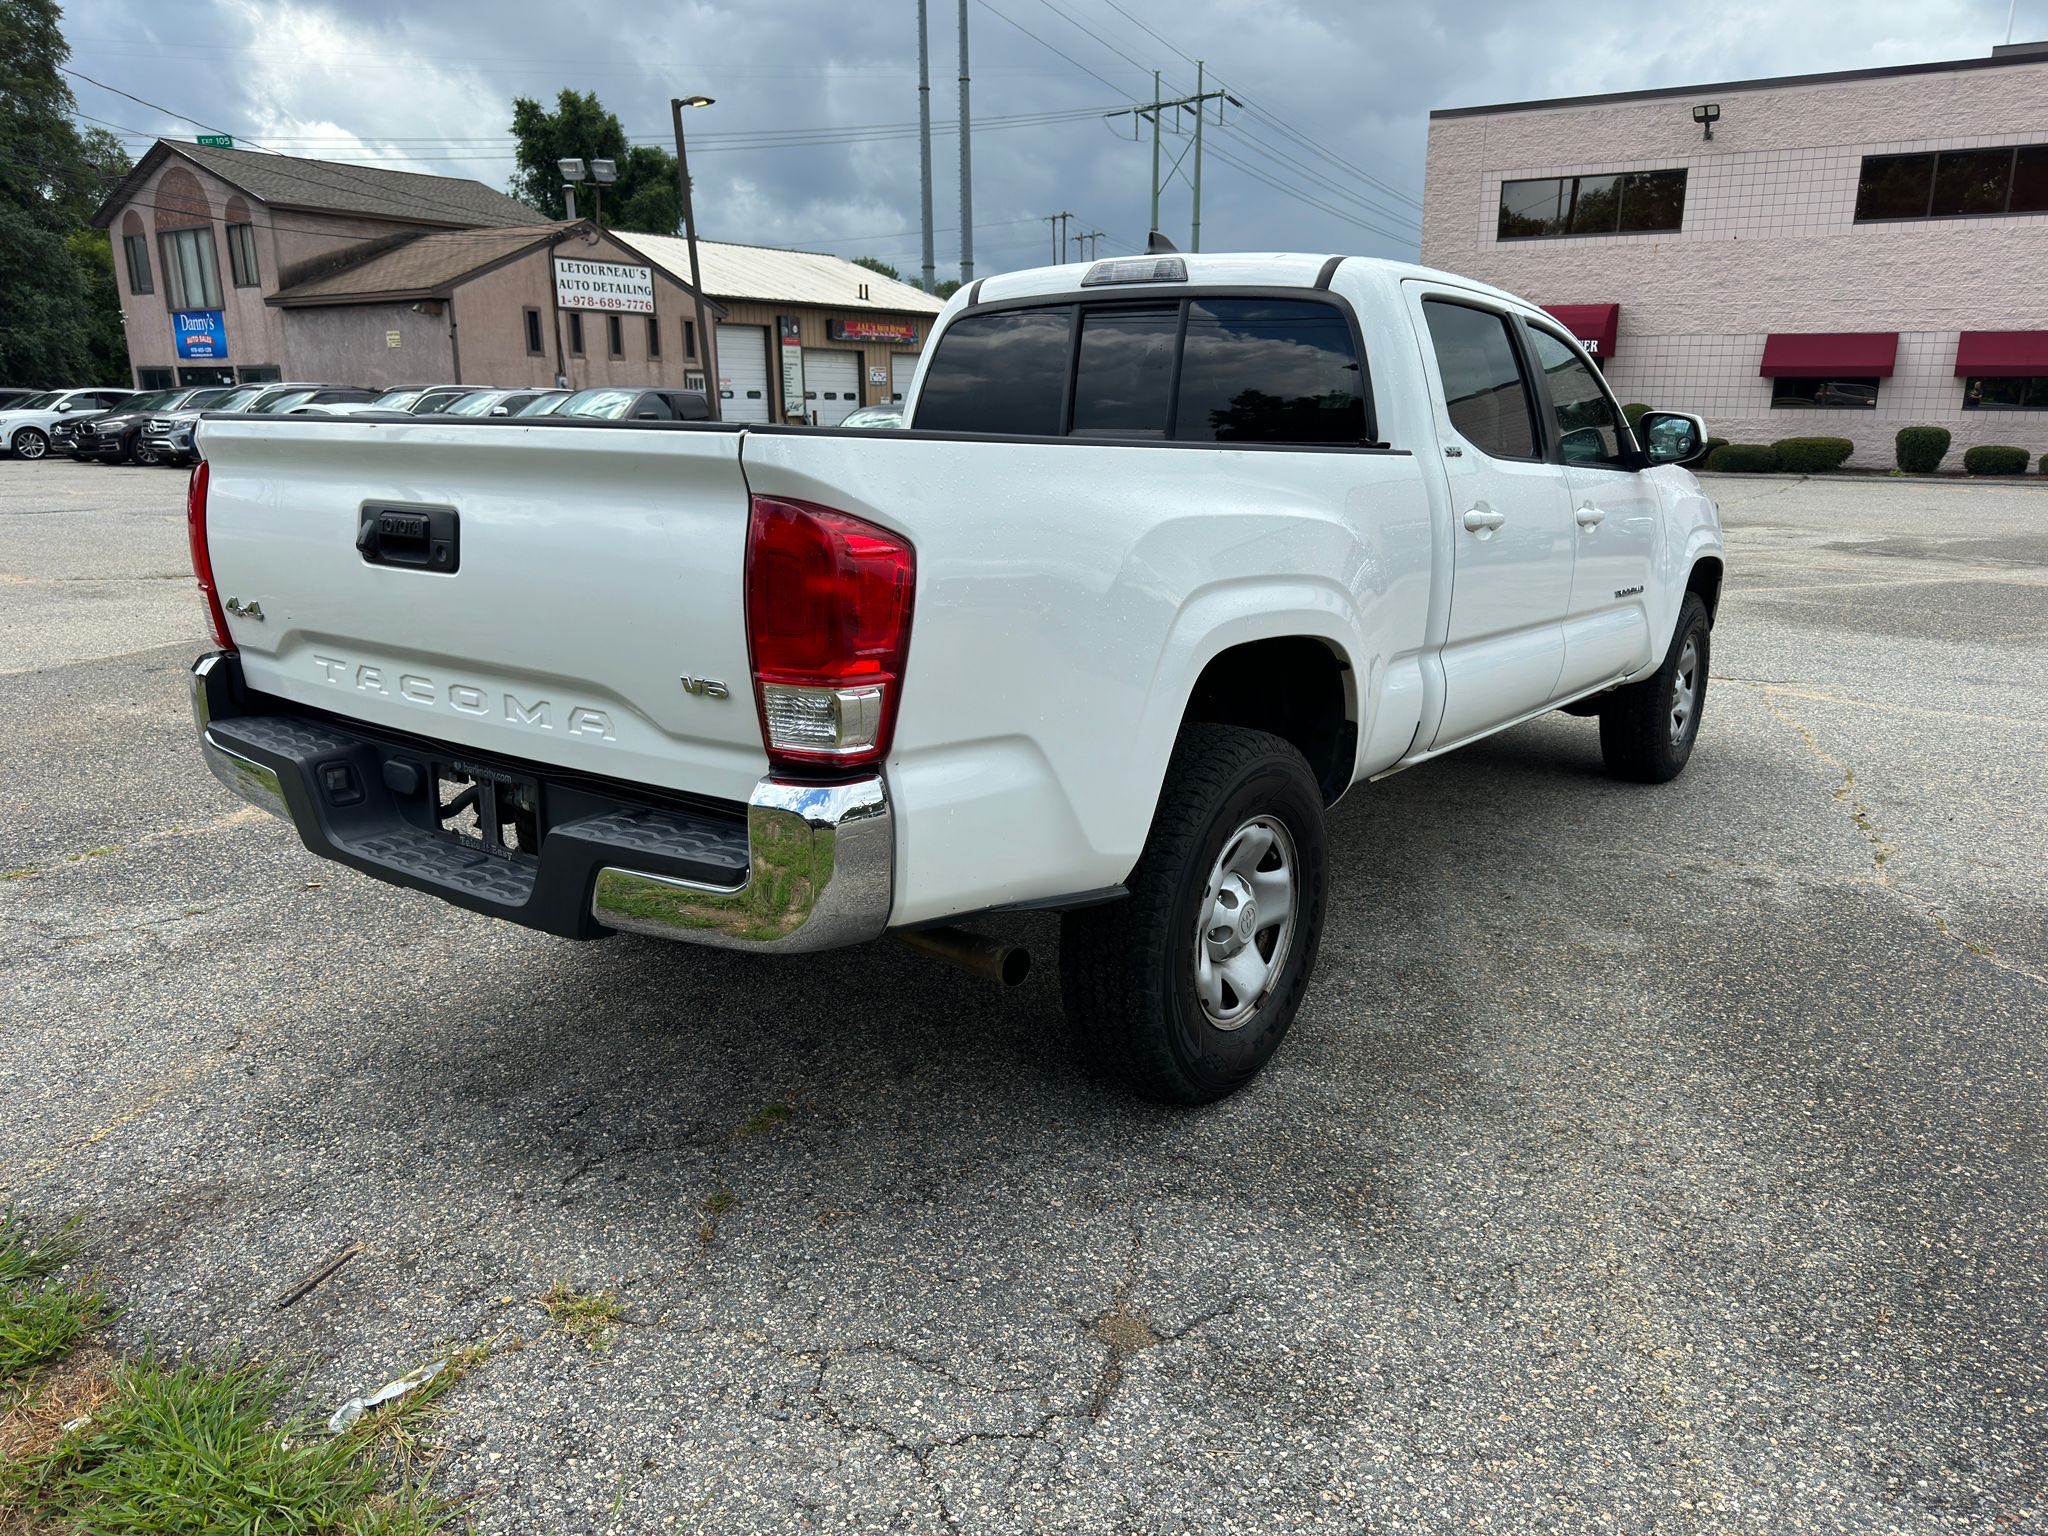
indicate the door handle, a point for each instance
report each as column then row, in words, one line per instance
column 1478, row 521
column 1591, row 516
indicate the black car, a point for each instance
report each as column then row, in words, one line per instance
column 624, row 403
column 116, row 436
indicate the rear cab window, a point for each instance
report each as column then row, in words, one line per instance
column 1229, row 370
column 1484, row 391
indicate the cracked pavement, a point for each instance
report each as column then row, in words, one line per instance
column 1643, row 1160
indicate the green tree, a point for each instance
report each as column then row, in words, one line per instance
column 945, row 288
column 876, row 264
column 645, row 196
column 51, row 179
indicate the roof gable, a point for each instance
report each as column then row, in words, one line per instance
column 327, row 186
column 770, row 275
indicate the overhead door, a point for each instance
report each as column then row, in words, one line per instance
column 832, row 383
column 743, row 372
column 902, row 369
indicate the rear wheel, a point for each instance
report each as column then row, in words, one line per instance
column 1647, row 729
column 31, row 443
column 1185, row 988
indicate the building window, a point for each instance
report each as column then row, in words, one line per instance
column 1625, row 203
column 1953, row 184
column 261, row 373
column 151, row 378
column 191, row 277
column 653, row 337
column 1825, row 394
column 534, row 348
column 689, row 338
column 2006, row 394
column 615, row 335
column 575, row 333
column 137, row 250
column 242, row 254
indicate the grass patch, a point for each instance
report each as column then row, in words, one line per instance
column 17, row 874
column 41, row 1316
column 593, row 1318
column 90, row 1443
column 762, row 1120
column 188, row 1446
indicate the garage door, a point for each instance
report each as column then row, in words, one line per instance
column 902, row 369
column 832, row 385
column 743, row 372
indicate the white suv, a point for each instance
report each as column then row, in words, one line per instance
column 25, row 430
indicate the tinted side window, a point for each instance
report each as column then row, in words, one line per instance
column 1125, row 374
column 1483, row 386
column 1587, row 430
column 1269, row 371
column 1001, row 372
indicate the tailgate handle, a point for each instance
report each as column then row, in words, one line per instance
column 415, row 538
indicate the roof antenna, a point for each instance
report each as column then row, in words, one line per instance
column 1157, row 244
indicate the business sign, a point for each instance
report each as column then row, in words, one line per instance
column 790, row 334
column 872, row 330
column 604, row 285
column 201, row 333
column 878, row 375
column 216, row 140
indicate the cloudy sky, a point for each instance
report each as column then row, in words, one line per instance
column 813, row 141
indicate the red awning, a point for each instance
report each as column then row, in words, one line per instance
column 1594, row 324
column 2002, row 355
column 1830, row 355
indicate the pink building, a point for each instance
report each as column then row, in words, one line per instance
column 1840, row 254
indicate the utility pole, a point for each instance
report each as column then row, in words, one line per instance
column 1093, row 240
column 966, row 163
column 1154, row 110
column 924, row 137
column 1059, row 234
column 707, row 350
column 1201, row 115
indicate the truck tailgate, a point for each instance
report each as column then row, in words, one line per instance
column 599, row 573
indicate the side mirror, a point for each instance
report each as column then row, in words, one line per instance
column 1671, row 437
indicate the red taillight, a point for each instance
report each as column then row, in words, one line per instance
column 828, row 625
column 202, row 560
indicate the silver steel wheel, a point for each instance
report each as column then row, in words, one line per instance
column 1685, row 689
column 31, row 444
column 1246, row 922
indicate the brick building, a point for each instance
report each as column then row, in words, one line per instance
column 1847, row 254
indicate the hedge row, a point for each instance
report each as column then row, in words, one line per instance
column 1920, row 451
column 1988, row 459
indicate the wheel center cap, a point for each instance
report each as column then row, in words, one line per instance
column 1247, row 923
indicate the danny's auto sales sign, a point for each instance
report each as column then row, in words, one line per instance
column 603, row 285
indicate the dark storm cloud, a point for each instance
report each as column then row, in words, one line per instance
column 426, row 86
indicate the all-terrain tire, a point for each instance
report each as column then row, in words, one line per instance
column 1128, row 969
column 1647, row 729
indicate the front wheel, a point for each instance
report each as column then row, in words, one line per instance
column 1184, row 989
column 142, row 453
column 30, row 443
column 1647, row 729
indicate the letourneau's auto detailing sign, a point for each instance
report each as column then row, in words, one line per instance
column 872, row 330
column 604, row 285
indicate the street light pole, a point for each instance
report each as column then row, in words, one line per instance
column 706, row 355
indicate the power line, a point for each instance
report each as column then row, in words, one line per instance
column 1044, row 44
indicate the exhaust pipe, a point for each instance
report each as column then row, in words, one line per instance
column 991, row 959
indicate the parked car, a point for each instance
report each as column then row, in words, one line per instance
column 499, row 402
column 617, row 404
column 167, row 435
column 304, row 401
column 25, row 430
column 1105, row 634
column 412, row 399
column 10, row 398
column 880, row 417
column 72, row 435
column 544, row 404
column 170, row 436
column 116, row 437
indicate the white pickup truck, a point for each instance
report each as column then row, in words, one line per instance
column 1174, row 552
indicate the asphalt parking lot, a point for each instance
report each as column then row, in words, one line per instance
column 1643, row 1160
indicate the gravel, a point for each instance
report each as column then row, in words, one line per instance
column 1643, row 1160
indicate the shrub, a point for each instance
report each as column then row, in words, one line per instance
column 1921, row 449
column 1634, row 411
column 1744, row 458
column 1989, row 459
column 1715, row 442
column 1812, row 455
column 2044, row 463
